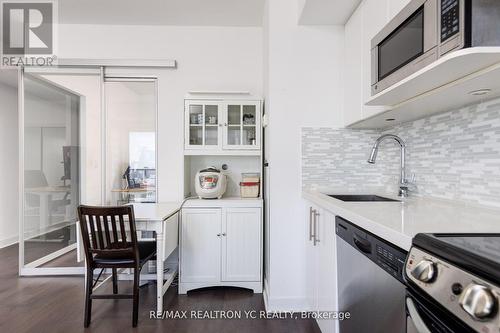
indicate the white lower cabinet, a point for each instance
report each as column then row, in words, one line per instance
column 321, row 266
column 201, row 247
column 221, row 247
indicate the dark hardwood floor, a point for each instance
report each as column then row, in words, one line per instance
column 55, row 304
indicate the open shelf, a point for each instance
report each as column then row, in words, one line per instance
column 442, row 86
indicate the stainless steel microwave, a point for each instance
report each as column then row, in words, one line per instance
column 425, row 30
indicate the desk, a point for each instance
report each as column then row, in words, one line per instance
column 163, row 218
column 45, row 194
column 128, row 193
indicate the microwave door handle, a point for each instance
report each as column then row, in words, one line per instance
column 415, row 317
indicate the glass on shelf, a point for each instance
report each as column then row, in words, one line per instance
column 234, row 136
column 249, row 115
column 233, row 115
column 249, row 136
column 196, row 114
column 211, row 136
column 196, row 136
column 211, row 115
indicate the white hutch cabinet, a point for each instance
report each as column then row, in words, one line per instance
column 221, row 247
column 222, row 125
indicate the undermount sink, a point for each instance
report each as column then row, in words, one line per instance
column 360, row 198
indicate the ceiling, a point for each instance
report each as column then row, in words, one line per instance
column 163, row 12
column 316, row 12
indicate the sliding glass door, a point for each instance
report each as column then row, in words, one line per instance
column 84, row 139
column 54, row 110
column 130, row 140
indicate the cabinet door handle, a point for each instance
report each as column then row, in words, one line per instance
column 224, row 234
column 218, row 235
column 311, row 214
column 316, row 240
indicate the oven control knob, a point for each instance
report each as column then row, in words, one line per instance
column 478, row 301
column 425, row 271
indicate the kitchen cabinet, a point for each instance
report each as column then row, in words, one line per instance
column 201, row 245
column 321, row 265
column 374, row 17
column 221, row 247
column 223, row 125
column 368, row 19
column 203, row 125
column 353, row 89
column 241, row 245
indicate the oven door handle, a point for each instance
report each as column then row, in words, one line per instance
column 415, row 317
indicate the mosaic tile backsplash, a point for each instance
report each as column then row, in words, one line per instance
column 453, row 155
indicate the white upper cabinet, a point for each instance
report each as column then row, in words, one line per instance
column 368, row 19
column 374, row 13
column 222, row 126
column 203, row 126
column 242, row 125
column 353, row 93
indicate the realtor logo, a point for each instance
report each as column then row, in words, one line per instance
column 28, row 30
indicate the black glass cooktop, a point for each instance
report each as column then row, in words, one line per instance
column 477, row 253
column 486, row 247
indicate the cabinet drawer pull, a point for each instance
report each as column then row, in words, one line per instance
column 316, row 240
column 311, row 214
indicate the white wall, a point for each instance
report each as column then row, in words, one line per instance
column 303, row 88
column 209, row 58
column 8, row 164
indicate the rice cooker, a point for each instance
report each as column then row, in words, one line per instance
column 210, row 183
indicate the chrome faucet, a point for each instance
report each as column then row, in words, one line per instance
column 404, row 184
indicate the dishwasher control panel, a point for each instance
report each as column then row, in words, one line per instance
column 386, row 255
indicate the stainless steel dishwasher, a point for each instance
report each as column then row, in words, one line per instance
column 370, row 281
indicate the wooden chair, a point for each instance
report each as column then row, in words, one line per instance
column 107, row 246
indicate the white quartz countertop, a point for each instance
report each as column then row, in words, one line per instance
column 398, row 222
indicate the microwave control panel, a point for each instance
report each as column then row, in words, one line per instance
column 450, row 18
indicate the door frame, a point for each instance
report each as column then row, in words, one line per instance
column 32, row 268
column 126, row 77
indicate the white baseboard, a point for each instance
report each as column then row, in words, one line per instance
column 282, row 304
column 8, row 241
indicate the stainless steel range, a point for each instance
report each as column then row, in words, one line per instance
column 453, row 283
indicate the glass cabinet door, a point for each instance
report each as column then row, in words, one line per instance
column 203, row 122
column 242, row 127
column 211, row 128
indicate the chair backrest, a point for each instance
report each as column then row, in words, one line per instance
column 104, row 232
